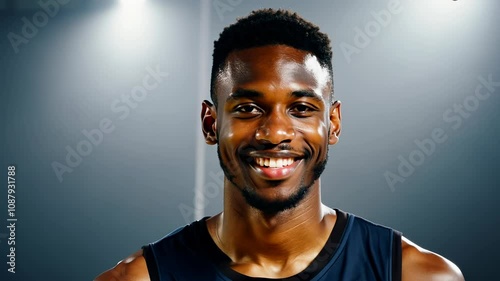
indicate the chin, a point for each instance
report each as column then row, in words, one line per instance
column 274, row 206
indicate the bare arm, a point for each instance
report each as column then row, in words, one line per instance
column 132, row 268
column 422, row 265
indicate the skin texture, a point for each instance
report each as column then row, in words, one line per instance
column 274, row 101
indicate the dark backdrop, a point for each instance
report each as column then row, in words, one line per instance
column 418, row 150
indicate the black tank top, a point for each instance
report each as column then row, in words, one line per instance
column 357, row 250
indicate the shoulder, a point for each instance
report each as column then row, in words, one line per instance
column 132, row 268
column 420, row 264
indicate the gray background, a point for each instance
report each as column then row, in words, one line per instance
column 139, row 183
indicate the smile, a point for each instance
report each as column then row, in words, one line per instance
column 274, row 162
column 274, row 168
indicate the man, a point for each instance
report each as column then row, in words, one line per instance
column 273, row 118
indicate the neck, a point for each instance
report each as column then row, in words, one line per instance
column 248, row 235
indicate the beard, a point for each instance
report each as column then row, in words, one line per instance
column 272, row 207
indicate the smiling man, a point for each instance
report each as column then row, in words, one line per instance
column 273, row 119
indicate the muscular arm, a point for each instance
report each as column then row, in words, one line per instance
column 422, row 265
column 132, row 268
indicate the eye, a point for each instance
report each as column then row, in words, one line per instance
column 302, row 110
column 247, row 110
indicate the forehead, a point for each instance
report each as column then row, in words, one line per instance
column 273, row 68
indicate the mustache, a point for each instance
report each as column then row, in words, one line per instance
column 273, row 147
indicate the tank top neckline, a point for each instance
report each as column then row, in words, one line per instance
column 222, row 261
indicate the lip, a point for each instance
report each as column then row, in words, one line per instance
column 275, row 174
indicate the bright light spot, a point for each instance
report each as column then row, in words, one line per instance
column 132, row 7
column 131, row 19
column 437, row 13
column 132, row 3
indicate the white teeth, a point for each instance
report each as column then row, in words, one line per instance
column 274, row 162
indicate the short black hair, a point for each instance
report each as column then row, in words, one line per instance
column 270, row 27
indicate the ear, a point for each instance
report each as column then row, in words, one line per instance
column 335, row 122
column 209, row 122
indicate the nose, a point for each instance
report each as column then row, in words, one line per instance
column 276, row 128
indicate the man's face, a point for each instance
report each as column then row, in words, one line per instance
column 273, row 124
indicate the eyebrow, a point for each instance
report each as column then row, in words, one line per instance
column 250, row 94
column 244, row 93
column 306, row 94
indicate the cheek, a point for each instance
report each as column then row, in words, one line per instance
column 227, row 149
column 314, row 132
column 226, row 137
column 225, row 130
column 236, row 131
column 232, row 136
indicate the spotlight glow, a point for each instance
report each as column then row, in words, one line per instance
column 437, row 13
column 131, row 19
column 132, row 3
